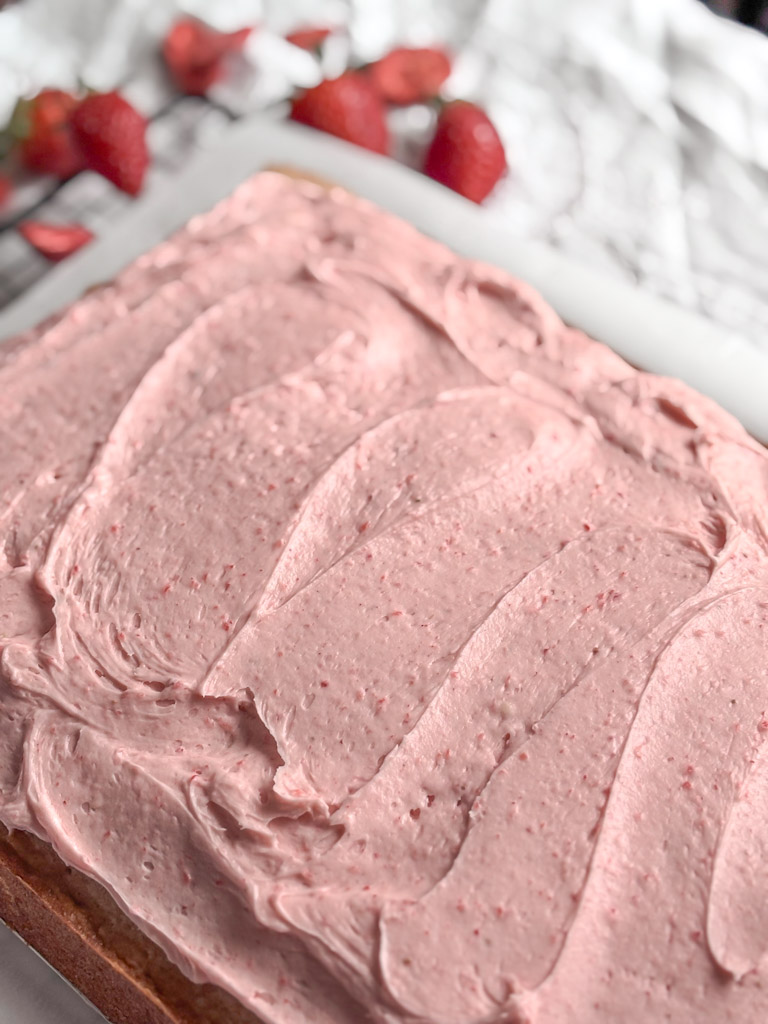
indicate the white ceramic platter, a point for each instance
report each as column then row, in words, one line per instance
column 648, row 332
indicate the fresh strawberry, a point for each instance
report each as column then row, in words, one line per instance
column 194, row 54
column 6, row 189
column 410, row 76
column 112, row 137
column 42, row 127
column 55, row 241
column 309, row 38
column 466, row 153
column 348, row 107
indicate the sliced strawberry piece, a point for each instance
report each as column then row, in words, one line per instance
column 111, row 135
column 466, row 153
column 309, row 38
column 55, row 241
column 42, row 127
column 236, row 40
column 194, row 54
column 6, row 189
column 348, row 107
column 410, row 75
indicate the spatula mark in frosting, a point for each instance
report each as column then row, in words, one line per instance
column 184, row 467
column 701, row 693
column 134, row 809
column 515, row 712
column 737, row 919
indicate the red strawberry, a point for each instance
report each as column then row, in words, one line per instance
column 42, row 126
column 55, row 241
column 410, row 76
column 348, row 107
column 194, row 54
column 309, row 38
column 6, row 189
column 112, row 137
column 466, row 153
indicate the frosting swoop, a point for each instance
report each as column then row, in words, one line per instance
column 387, row 649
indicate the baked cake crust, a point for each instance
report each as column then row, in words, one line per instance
column 75, row 925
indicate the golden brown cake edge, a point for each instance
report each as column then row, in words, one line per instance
column 74, row 924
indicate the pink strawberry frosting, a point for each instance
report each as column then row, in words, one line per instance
column 390, row 651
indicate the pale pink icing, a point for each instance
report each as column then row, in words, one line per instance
column 387, row 649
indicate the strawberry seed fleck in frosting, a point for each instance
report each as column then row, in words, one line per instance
column 388, row 650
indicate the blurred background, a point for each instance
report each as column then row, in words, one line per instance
column 635, row 132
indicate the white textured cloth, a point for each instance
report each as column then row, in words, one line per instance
column 637, row 130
